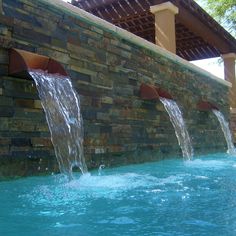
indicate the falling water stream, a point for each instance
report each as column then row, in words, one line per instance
column 178, row 123
column 225, row 128
column 62, row 108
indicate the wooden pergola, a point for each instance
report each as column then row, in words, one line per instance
column 198, row 35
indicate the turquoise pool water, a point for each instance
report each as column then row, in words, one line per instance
column 170, row 197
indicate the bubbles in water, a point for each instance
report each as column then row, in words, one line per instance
column 122, row 221
column 201, row 177
column 207, row 164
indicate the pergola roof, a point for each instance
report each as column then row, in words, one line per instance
column 198, row 35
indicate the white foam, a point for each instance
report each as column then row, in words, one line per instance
column 117, row 181
column 206, row 164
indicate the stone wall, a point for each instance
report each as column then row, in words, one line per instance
column 233, row 124
column 107, row 70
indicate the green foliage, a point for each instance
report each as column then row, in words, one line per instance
column 224, row 11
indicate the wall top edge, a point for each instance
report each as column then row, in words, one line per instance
column 164, row 6
column 94, row 20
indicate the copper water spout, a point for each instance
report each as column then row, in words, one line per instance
column 163, row 94
column 21, row 62
column 148, row 92
column 151, row 92
column 206, row 106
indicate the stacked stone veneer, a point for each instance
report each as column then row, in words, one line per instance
column 233, row 124
column 107, row 70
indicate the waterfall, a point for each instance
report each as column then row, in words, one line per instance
column 181, row 131
column 61, row 106
column 225, row 128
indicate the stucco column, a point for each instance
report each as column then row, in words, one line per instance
column 229, row 73
column 165, row 25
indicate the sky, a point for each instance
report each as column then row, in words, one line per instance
column 211, row 65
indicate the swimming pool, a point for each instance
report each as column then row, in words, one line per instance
column 169, row 197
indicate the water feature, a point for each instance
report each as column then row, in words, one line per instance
column 178, row 123
column 225, row 128
column 62, row 108
column 169, row 197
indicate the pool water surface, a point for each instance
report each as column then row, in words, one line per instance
column 169, row 197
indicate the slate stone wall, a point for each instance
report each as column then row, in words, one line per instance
column 107, row 71
column 233, row 124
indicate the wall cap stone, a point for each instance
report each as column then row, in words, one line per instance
column 94, row 20
column 164, row 6
column 229, row 56
column 232, row 110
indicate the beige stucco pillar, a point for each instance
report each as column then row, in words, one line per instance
column 229, row 73
column 165, row 25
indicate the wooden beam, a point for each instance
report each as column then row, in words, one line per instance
column 91, row 4
column 139, row 16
